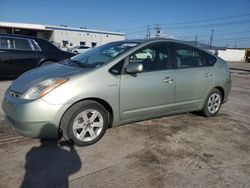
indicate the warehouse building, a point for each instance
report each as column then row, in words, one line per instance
column 62, row 36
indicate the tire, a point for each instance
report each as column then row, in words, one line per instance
column 47, row 63
column 75, row 52
column 213, row 103
column 84, row 123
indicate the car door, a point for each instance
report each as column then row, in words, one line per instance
column 17, row 56
column 152, row 91
column 194, row 78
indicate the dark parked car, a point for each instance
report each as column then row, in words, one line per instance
column 19, row 54
column 248, row 58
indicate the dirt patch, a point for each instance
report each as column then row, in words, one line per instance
column 245, row 147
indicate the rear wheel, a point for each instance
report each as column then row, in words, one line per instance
column 85, row 123
column 213, row 103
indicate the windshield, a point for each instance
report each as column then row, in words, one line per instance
column 101, row 55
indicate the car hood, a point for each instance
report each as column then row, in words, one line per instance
column 33, row 77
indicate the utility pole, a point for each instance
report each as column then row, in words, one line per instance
column 196, row 41
column 158, row 31
column 211, row 38
column 235, row 44
column 147, row 35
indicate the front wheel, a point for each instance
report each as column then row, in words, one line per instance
column 213, row 103
column 84, row 123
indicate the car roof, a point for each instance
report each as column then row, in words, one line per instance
column 21, row 36
column 151, row 40
column 158, row 39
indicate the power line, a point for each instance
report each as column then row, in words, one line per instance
column 199, row 26
column 208, row 20
column 133, row 28
column 216, row 34
column 137, row 31
column 236, row 38
column 182, row 37
column 231, row 33
column 232, row 41
column 187, row 22
column 209, row 25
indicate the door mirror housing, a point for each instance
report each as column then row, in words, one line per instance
column 134, row 68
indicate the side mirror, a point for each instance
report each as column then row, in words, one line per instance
column 134, row 68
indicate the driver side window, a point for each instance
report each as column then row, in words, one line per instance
column 153, row 58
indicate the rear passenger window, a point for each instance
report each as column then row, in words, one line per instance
column 210, row 59
column 188, row 57
column 15, row 43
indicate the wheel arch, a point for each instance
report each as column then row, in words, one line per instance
column 107, row 106
column 104, row 103
column 209, row 91
column 222, row 91
column 44, row 60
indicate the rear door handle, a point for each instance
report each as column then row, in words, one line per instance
column 5, row 59
column 168, row 80
column 208, row 75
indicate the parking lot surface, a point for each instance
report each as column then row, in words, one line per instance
column 186, row 150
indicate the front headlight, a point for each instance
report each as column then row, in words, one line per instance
column 43, row 88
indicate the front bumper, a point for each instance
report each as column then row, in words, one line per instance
column 35, row 119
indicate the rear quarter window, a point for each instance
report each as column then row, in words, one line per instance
column 188, row 56
column 210, row 60
column 47, row 46
column 35, row 45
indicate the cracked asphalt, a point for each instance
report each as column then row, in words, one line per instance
column 185, row 150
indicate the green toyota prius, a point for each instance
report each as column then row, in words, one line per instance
column 117, row 83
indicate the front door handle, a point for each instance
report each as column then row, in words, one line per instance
column 168, row 80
